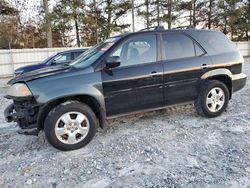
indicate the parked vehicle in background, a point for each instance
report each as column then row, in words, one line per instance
column 59, row 58
column 128, row 73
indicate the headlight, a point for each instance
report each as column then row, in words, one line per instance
column 17, row 72
column 19, row 90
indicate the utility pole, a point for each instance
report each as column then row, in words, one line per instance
column 158, row 13
column 133, row 16
column 147, row 12
column 210, row 14
column 190, row 17
column 169, row 14
column 96, row 21
column 48, row 24
column 194, row 12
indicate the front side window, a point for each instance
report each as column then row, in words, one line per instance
column 137, row 50
column 178, row 46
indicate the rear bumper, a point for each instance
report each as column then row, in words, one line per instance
column 238, row 81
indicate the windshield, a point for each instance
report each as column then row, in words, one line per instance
column 48, row 58
column 91, row 55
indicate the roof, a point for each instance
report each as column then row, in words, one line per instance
column 161, row 29
column 74, row 50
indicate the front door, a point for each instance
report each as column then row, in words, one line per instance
column 137, row 83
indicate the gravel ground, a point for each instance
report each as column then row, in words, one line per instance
column 167, row 148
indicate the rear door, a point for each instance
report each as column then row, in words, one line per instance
column 137, row 84
column 185, row 62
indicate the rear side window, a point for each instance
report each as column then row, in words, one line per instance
column 178, row 46
column 217, row 41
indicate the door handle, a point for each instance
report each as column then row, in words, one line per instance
column 205, row 66
column 154, row 74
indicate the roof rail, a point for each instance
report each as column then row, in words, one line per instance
column 153, row 28
column 184, row 27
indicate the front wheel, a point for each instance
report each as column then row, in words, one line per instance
column 70, row 125
column 213, row 99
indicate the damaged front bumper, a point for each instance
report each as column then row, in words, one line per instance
column 23, row 112
column 9, row 113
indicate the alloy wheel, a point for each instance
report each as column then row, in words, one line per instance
column 215, row 99
column 72, row 127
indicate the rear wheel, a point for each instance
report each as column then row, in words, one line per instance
column 213, row 99
column 70, row 125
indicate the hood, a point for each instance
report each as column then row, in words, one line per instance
column 29, row 68
column 39, row 73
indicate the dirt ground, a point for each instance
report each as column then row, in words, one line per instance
column 167, row 148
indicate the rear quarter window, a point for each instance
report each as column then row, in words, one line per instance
column 216, row 42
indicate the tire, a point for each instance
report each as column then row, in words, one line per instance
column 70, row 125
column 210, row 107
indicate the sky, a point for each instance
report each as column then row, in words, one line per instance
column 32, row 14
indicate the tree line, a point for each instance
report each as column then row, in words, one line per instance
column 86, row 22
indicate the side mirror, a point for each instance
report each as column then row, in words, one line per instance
column 112, row 62
column 53, row 62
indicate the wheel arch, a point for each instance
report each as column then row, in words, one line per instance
column 226, row 80
column 222, row 75
column 89, row 100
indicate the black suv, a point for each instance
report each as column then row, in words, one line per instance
column 124, row 74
